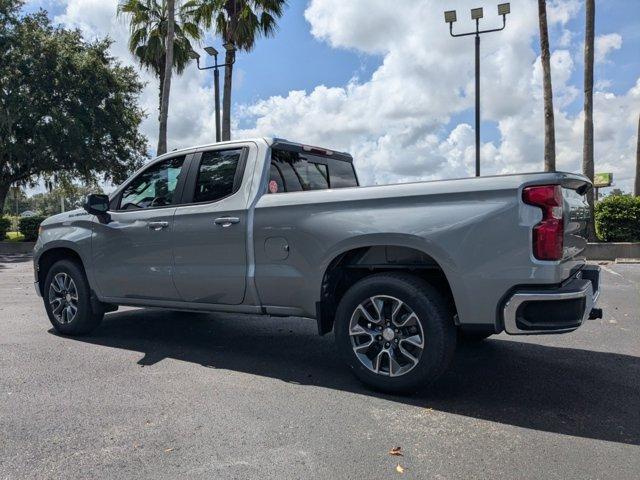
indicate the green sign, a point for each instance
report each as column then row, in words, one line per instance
column 602, row 180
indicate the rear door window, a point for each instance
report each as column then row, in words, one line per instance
column 216, row 175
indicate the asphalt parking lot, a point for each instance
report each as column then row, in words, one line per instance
column 165, row 395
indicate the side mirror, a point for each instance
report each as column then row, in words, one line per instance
column 98, row 205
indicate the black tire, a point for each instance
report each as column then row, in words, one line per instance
column 86, row 318
column 472, row 338
column 434, row 316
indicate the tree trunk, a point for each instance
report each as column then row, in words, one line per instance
column 549, row 126
column 587, row 152
column 161, row 79
column 168, row 68
column 230, row 57
column 636, row 190
column 4, row 191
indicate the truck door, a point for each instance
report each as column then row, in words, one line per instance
column 132, row 254
column 210, row 230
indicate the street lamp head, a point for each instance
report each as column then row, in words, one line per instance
column 504, row 9
column 476, row 13
column 211, row 51
column 194, row 55
column 450, row 16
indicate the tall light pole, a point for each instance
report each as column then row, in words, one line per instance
column 216, row 81
column 450, row 17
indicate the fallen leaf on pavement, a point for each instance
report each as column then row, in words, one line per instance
column 399, row 468
column 167, row 450
column 396, row 451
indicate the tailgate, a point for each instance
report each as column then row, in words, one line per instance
column 576, row 215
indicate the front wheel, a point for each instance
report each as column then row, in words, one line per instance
column 67, row 299
column 395, row 331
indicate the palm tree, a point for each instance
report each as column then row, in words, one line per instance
column 587, row 151
column 239, row 23
column 168, row 68
column 636, row 189
column 149, row 23
column 549, row 126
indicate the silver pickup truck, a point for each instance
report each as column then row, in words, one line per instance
column 400, row 273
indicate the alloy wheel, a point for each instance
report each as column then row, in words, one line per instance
column 63, row 298
column 386, row 336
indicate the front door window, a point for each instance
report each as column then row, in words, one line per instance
column 154, row 187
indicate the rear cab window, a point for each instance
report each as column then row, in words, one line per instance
column 294, row 170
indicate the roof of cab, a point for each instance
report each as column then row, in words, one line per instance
column 270, row 141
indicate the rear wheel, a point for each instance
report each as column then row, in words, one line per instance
column 67, row 299
column 395, row 332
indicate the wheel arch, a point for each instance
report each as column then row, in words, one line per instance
column 355, row 263
column 48, row 257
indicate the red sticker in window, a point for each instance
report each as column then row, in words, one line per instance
column 273, row 186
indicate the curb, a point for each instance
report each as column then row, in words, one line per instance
column 612, row 251
column 9, row 248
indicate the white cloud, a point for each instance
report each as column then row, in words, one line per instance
column 190, row 122
column 605, row 44
column 403, row 123
column 397, row 122
column 566, row 38
column 561, row 11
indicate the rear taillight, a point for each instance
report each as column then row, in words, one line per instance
column 549, row 233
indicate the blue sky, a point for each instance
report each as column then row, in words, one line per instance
column 392, row 83
column 292, row 60
column 295, row 60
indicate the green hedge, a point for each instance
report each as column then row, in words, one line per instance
column 5, row 224
column 29, row 227
column 618, row 219
column 13, row 222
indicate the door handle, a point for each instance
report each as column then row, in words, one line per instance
column 226, row 221
column 156, row 226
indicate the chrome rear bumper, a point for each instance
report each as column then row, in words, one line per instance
column 531, row 311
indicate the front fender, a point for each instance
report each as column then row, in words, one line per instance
column 74, row 236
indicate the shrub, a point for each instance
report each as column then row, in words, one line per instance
column 29, row 227
column 5, row 224
column 14, row 222
column 618, row 219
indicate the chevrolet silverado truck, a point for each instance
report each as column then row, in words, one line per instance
column 399, row 273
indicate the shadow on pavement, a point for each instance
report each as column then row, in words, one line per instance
column 562, row 390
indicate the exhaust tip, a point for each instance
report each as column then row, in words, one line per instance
column 595, row 314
